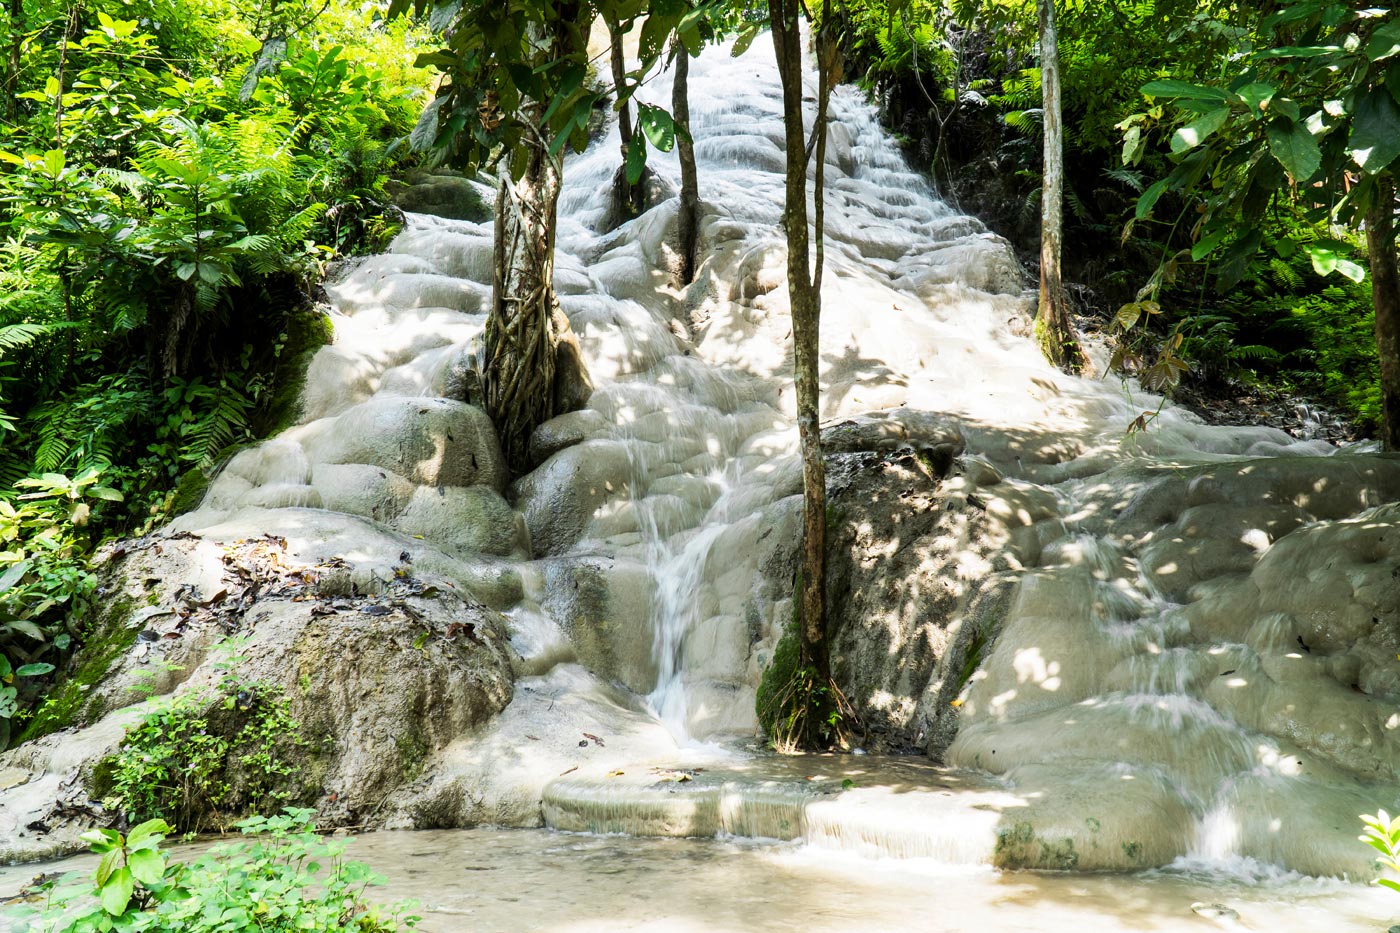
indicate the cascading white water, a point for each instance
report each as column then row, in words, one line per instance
column 1177, row 665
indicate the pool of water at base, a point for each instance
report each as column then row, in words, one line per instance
column 537, row 880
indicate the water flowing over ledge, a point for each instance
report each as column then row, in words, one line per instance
column 1193, row 652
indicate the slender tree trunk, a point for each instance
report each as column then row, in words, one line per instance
column 688, row 215
column 805, row 298
column 18, row 25
column 627, row 196
column 528, row 341
column 1385, row 295
column 1052, row 324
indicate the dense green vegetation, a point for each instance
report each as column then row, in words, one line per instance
column 285, row 878
column 961, row 81
column 174, row 177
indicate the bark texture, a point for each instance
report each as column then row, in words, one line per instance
column 1385, row 295
column 804, row 292
column 527, row 334
column 688, row 214
column 628, row 196
column 1052, row 323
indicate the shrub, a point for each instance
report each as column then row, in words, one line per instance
column 286, row 879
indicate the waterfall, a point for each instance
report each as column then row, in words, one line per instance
column 1189, row 664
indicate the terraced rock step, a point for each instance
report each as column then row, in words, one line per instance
column 902, row 807
column 894, row 807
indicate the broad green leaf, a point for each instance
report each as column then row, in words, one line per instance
column 12, row 576
column 1385, row 42
column 106, row 866
column 636, row 159
column 1148, row 199
column 1351, row 270
column 1174, row 88
column 1301, row 51
column 1375, row 130
column 33, row 670
column 116, row 893
column 1257, row 96
column 744, row 40
column 1194, row 133
column 54, row 162
column 147, row 866
column 1207, row 244
column 26, row 627
column 1295, row 148
column 658, row 126
column 149, row 830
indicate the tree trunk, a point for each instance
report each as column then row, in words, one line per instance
column 805, row 298
column 1385, row 295
column 532, row 369
column 627, row 196
column 688, row 214
column 1052, row 324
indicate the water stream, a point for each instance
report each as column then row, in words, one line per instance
column 1196, row 663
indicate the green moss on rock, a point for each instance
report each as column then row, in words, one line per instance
column 71, row 702
column 1019, row 846
column 776, row 680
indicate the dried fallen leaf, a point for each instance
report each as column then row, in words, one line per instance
column 615, row 773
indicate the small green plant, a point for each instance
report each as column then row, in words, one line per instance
column 286, row 879
column 199, row 757
column 1383, row 834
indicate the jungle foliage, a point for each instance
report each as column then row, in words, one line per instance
column 960, row 80
column 174, row 176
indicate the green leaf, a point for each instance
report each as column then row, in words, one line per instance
column 27, row 628
column 1257, row 96
column 1174, row 88
column 12, row 576
column 1385, row 42
column 151, row 830
column 116, row 893
column 1207, row 244
column 147, row 866
column 1295, row 148
column 1375, row 130
column 1194, row 133
column 636, row 159
column 1351, row 270
column 744, row 40
column 1324, row 261
column 658, row 126
column 106, row 866
column 33, row 670
column 1148, row 198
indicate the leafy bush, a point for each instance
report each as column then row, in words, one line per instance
column 44, row 580
column 171, row 185
column 1383, row 834
column 286, row 879
column 200, row 756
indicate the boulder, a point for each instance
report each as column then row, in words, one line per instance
column 430, row 441
column 377, row 684
column 462, row 520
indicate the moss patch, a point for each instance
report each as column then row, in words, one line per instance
column 189, row 491
column 1020, row 847
column 413, row 755
column 776, row 678
column 70, row 701
column 307, row 331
